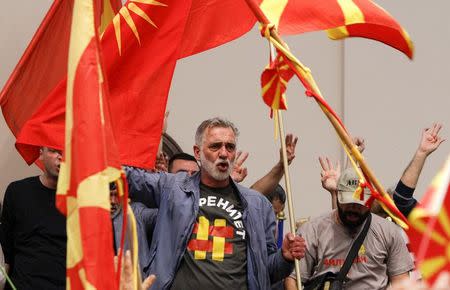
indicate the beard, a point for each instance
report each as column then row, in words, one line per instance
column 352, row 219
column 211, row 167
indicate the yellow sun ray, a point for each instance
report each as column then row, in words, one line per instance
column 435, row 236
column 149, row 2
column 445, row 222
column 126, row 15
column 116, row 23
column 133, row 7
column 431, row 266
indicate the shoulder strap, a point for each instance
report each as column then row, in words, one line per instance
column 354, row 250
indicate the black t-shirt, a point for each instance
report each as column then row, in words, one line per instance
column 33, row 236
column 216, row 255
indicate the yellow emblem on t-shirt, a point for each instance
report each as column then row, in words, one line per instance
column 362, row 251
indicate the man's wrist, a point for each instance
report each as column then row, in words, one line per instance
column 420, row 153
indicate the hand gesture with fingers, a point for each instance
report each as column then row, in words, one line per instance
column 126, row 279
column 239, row 172
column 291, row 143
column 162, row 162
column 329, row 174
column 430, row 140
column 360, row 143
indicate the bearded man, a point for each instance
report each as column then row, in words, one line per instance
column 212, row 233
column 382, row 258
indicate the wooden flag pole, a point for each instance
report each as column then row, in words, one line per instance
column 278, row 117
column 343, row 135
column 287, row 182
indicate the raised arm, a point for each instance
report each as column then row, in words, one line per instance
column 144, row 186
column 429, row 142
column 268, row 182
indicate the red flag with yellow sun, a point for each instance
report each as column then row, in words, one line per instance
column 90, row 160
column 429, row 232
column 274, row 80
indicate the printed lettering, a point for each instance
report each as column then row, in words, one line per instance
column 241, row 233
column 231, row 210
column 212, row 200
column 239, row 224
column 222, row 203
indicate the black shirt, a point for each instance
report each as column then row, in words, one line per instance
column 216, row 255
column 33, row 236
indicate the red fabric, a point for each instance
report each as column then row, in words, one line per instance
column 423, row 245
column 279, row 73
column 42, row 66
column 214, row 22
column 302, row 16
column 93, row 150
column 139, row 79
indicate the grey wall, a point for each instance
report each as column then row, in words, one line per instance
column 380, row 94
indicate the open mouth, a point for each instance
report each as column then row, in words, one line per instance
column 223, row 166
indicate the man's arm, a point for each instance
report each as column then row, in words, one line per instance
column 7, row 227
column 290, row 283
column 269, row 182
column 144, row 186
column 396, row 279
column 429, row 142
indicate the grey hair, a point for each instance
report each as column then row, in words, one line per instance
column 213, row 123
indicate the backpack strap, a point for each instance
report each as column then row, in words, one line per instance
column 354, row 250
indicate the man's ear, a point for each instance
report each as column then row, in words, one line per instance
column 41, row 151
column 197, row 152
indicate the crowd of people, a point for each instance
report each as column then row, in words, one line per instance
column 199, row 228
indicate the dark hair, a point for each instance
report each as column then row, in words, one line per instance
column 278, row 193
column 180, row 156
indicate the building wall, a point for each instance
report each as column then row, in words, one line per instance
column 378, row 92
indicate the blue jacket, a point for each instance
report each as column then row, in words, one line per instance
column 145, row 222
column 177, row 197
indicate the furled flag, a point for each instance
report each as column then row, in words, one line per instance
column 44, row 63
column 90, row 160
column 429, row 233
column 341, row 18
column 140, row 51
column 273, row 82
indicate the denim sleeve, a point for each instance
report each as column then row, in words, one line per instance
column 149, row 217
column 403, row 198
column 143, row 186
column 279, row 268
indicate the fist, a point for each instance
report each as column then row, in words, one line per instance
column 294, row 247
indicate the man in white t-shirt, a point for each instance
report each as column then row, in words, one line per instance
column 382, row 258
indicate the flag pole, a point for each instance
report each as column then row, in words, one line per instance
column 342, row 133
column 287, row 182
column 280, row 126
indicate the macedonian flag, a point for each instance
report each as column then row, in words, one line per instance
column 140, row 50
column 44, row 64
column 429, row 233
column 90, row 160
column 274, row 80
column 341, row 18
